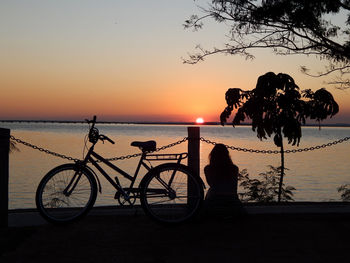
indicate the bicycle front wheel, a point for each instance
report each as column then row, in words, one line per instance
column 171, row 193
column 66, row 193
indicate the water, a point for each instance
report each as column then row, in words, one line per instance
column 316, row 175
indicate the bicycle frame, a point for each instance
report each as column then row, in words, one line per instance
column 94, row 157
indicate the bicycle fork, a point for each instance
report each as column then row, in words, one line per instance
column 73, row 183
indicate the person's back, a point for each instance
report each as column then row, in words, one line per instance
column 222, row 177
column 222, row 181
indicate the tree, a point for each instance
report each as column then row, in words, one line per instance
column 277, row 106
column 287, row 27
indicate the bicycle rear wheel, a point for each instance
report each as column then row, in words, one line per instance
column 171, row 193
column 59, row 207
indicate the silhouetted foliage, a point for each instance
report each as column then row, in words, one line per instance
column 286, row 26
column 264, row 189
column 13, row 147
column 277, row 106
column 345, row 192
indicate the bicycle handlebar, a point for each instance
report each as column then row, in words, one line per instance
column 94, row 135
column 104, row 137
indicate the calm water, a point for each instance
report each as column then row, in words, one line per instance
column 316, row 175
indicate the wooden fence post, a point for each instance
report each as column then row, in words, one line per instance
column 193, row 158
column 4, row 175
column 193, row 148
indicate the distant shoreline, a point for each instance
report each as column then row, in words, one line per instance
column 158, row 123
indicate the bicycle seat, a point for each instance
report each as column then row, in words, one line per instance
column 145, row 146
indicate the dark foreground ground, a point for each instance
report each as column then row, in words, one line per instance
column 112, row 238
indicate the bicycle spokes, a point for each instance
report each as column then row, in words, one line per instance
column 167, row 195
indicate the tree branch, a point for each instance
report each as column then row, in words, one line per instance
column 287, row 27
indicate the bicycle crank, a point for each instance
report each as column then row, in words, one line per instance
column 123, row 200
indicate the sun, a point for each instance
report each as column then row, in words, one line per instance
column 199, row 120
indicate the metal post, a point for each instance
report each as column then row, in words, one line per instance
column 4, row 175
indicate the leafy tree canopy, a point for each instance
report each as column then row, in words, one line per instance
column 286, row 26
column 277, row 106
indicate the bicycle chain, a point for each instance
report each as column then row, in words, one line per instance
column 276, row 151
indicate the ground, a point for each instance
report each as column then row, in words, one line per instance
column 253, row 238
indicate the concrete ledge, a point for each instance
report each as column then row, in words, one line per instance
column 31, row 217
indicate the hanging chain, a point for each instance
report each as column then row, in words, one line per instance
column 43, row 150
column 171, row 145
column 109, row 159
column 276, row 151
column 318, row 146
column 156, row 150
column 181, row 141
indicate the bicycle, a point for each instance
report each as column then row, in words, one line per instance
column 169, row 192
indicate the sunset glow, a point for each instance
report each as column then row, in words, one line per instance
column 89, row 58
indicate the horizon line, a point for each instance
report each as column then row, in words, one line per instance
column 161, row 123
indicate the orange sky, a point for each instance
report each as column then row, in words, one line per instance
column 73, row 60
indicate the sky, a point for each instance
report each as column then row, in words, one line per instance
column 123, row 61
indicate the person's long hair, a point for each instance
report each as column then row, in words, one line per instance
column 219, row 158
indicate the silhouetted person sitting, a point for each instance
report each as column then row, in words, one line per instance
column 222, row 176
